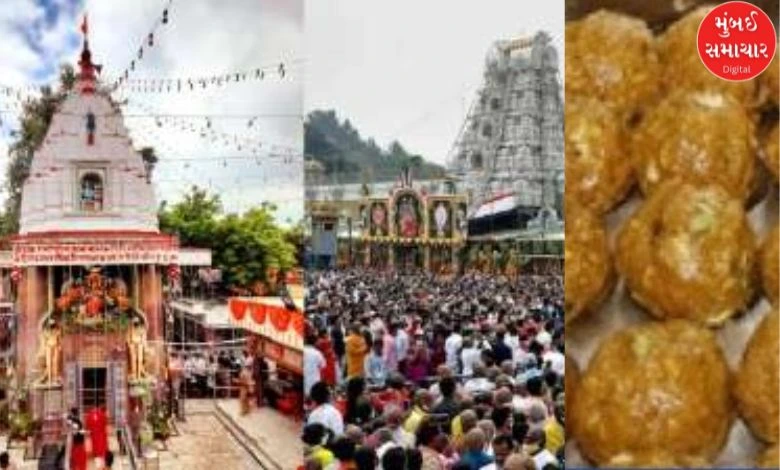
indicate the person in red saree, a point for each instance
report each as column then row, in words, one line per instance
column 97, row 425
column 328, row 373
column 78, row 452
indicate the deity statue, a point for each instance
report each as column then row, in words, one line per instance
column 49, row 355
column 136, row 345
column 95, row 281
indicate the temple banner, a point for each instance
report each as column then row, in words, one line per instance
column 36, row 253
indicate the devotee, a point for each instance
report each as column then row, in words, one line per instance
column 323, row 344
column 356, row 349
column 474, row 455
column 475, row 380
column 245, row 387
column 376, row 365
column 5, row 462
column 324, row 412
column 313, row 363
column 78, row 452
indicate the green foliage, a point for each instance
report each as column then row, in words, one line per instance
column 348, row 158
column 243, row 246
column 22, row 425
column 158, row 419
column 34, row 122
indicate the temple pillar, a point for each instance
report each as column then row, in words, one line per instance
column 50, row 288
column 151, row 287
column 151, row 304
column 31, row 304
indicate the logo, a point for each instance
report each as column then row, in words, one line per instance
column 736, row 41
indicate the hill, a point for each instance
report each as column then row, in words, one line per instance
column 348, row 158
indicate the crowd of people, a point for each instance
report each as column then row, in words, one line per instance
column 203, row 374
column 418, row 371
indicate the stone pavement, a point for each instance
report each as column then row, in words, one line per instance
column 277, row 436
column 203, row 443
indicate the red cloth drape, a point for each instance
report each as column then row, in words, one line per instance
column 97, row 423
column 238, row 308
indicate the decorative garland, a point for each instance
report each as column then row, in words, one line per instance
column 258, row 313
column 238, row 308
column 280, row 317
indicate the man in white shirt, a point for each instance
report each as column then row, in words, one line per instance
column 325, row 413
column 544, row 337
column 469, row 356
column 401, row 345
column 557, row 361
column 478, row 383
column 394, row 416
column 452, row 346
column 313, row 362
column 535, row 447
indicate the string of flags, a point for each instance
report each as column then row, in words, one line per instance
column 146, row 43
column 170, row 85
column 285, row 155
column 206, row 130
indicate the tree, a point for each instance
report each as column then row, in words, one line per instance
column 194, row 219
column 34, row 122
column 243, row 246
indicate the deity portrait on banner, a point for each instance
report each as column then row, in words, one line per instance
column 441, row 217
column 379, row 219
column 407, row 217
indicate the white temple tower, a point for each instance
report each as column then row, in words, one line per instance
column 512, row 139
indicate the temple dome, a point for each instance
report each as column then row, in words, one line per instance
column 79, row 182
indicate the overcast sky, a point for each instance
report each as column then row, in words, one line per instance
column 203, row 37
column 408, row 69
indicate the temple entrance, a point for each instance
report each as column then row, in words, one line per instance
column 408, row 258
column 93, row 387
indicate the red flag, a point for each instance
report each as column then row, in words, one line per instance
column 84, row 27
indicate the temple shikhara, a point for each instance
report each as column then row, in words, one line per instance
column 89, row 265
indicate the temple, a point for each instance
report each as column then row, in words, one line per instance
column 510, row 146
column 89, row 265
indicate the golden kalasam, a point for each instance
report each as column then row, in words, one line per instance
column 771, row 154
column 598, row 174
column 611, row 58
column 769, row 458
column 756, row 386
column 654, row 394
column 588, row 272
column 770, row 265
column 682, row 68
column 688, row 252
column 701, row 137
